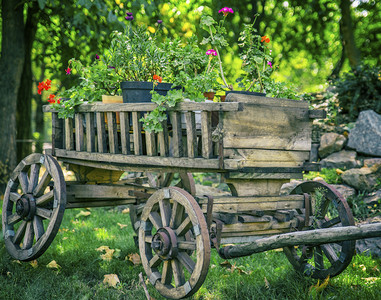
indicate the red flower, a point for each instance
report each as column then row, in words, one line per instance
column 51, row 98
column 68, row 71
column 44, row 86
column 265, row 39
column 158, row 78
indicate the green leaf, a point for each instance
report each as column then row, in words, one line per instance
column 41, row 4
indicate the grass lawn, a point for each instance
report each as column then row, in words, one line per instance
column 81, row 269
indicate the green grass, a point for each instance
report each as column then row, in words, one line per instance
column 266, row 275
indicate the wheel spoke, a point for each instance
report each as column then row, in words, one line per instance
column 38, row 227
column 178, row 273
column 166, row 276
column 177, row 215
column 13, row 219
column 45, row 199
column 14, row 197
column 23, row 179
column 44, row 213
column 40, row 188
column 155, row 219
column 318, row 258
column 185, row 245
column 184, row 227
column 331, row 223
column 165, row 212
column 186, row 261
column 19, row 233
column 29, row 235
column 148, row 239
column 33, row 178
column 329, row 253
column 155, row 261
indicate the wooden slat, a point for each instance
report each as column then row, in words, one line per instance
column 184, row 106
column 57, row 132
column 191, row 134
column 151, row 144
column 266, row 101
column 69, row 142
column 163, row 140
column 90, row 132
column 251, row 199
column 125, row 132
column 79, row 134
column 101, row 133
column 177, row 143
column 100, row 203
column 137, row 131
column 112, row 133
column 206, row 134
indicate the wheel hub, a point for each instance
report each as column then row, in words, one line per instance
column 26, row 207
column 164, row 243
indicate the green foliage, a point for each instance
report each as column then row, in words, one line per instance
column 361, row 210
column 330, row 176
column 358, row 90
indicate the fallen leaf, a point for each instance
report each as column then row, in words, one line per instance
column 134, row 258
column 111, row 280
column 371, row 279
column 34, row 264
column 267, row 284
column 53, row 265
column 122, row 225
column 9, row 274
column 16, row 261
column 83, row 213
column 65, row 238
column 103, row 248
column 226, row 264
column 108, row 255
column 319, row 287
column 362, row 267
column 126, row 211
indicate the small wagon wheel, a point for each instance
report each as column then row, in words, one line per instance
column 33, row 206
column 168, row 216
column 161, row 180
column 329, row 209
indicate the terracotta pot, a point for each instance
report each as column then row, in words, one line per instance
column 222, row 98
column 108, row 99
column 209, row 95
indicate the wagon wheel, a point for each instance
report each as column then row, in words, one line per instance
column 160, row 180
column 33, row 206
column 168, row 216
column 329, row 209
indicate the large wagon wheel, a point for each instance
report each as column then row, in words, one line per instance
column 169, row 216
column 329, row 209
column 33, row 206
column 161, row 180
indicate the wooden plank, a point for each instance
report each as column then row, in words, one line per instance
column 259, row 226
column 101, row 191
column 190, row 120
column 241, row 175
column 137, row 132
column 266, row 101
column 57, row 132
column 250, row 199
column 141, row 107
column 177, row 143
column 125, row 132
column 112, row 133
column 269, row 232
column 90, row 132
column 257, row 187
column 267, row 155
column 101, row 133
column 69, row 141
column 79, row 134
column 163, row 140
column 99, row 203
column 151, row 144
column 206, row 134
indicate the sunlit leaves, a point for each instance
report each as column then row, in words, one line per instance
column 111, row 280
column 53, row 265
column 134, row 258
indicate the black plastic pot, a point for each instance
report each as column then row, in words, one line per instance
column 246, row 93
column 140, row 91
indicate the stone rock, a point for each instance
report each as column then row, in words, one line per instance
column 365, row 137
column 371, row 246
column 202, row 190
column 288, row 187
column 345, row 190
column 364, row 179
column 342, row 160
column 331, row 142
column 373, row 198
column 370, row 162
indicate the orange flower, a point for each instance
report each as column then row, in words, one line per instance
column 158, row 78
column 265, row 39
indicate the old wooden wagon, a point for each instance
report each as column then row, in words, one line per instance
column 256, row 143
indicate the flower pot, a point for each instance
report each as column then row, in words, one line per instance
column 108, row 99
column 247, row 93
column 209, row 95
column 140, row 91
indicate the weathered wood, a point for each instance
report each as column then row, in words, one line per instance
column 90, row 132
column 69, row 142
column 79, row 135
column 258, row 226
column 241, row 175
column 244, row 234
column 141, row 107
column 317, row 236
column 253, row 219
column 250, row 199
column 137, row 131
column 94, row 175
column 266, row 101
column 112, row 133
column 125, row 132
column 57, row 132
column 99, row 203
column 206, row 134
column 151, row 143
column 163, row 140
column 191, row 134
column 101, row 133
column 177, row 143
column 317, row 114
column 258, row 187
column 244, row 207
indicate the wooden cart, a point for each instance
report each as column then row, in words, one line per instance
column 256, row 143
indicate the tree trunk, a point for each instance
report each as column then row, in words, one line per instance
column 346, row 27
column 11, row 67
column 24, row 99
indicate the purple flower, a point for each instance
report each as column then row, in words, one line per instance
column 129, row 14
column 159, row 21
column 97, row 56
column 111, row 67
column 129, row 18
column 226, row 11
column 270, row 64
column 211, row 52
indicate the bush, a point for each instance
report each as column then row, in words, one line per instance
column 358, row 90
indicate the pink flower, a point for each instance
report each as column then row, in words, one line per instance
column 211, row 52
column 226, row 11
column 68, row 71
column 270, row 64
